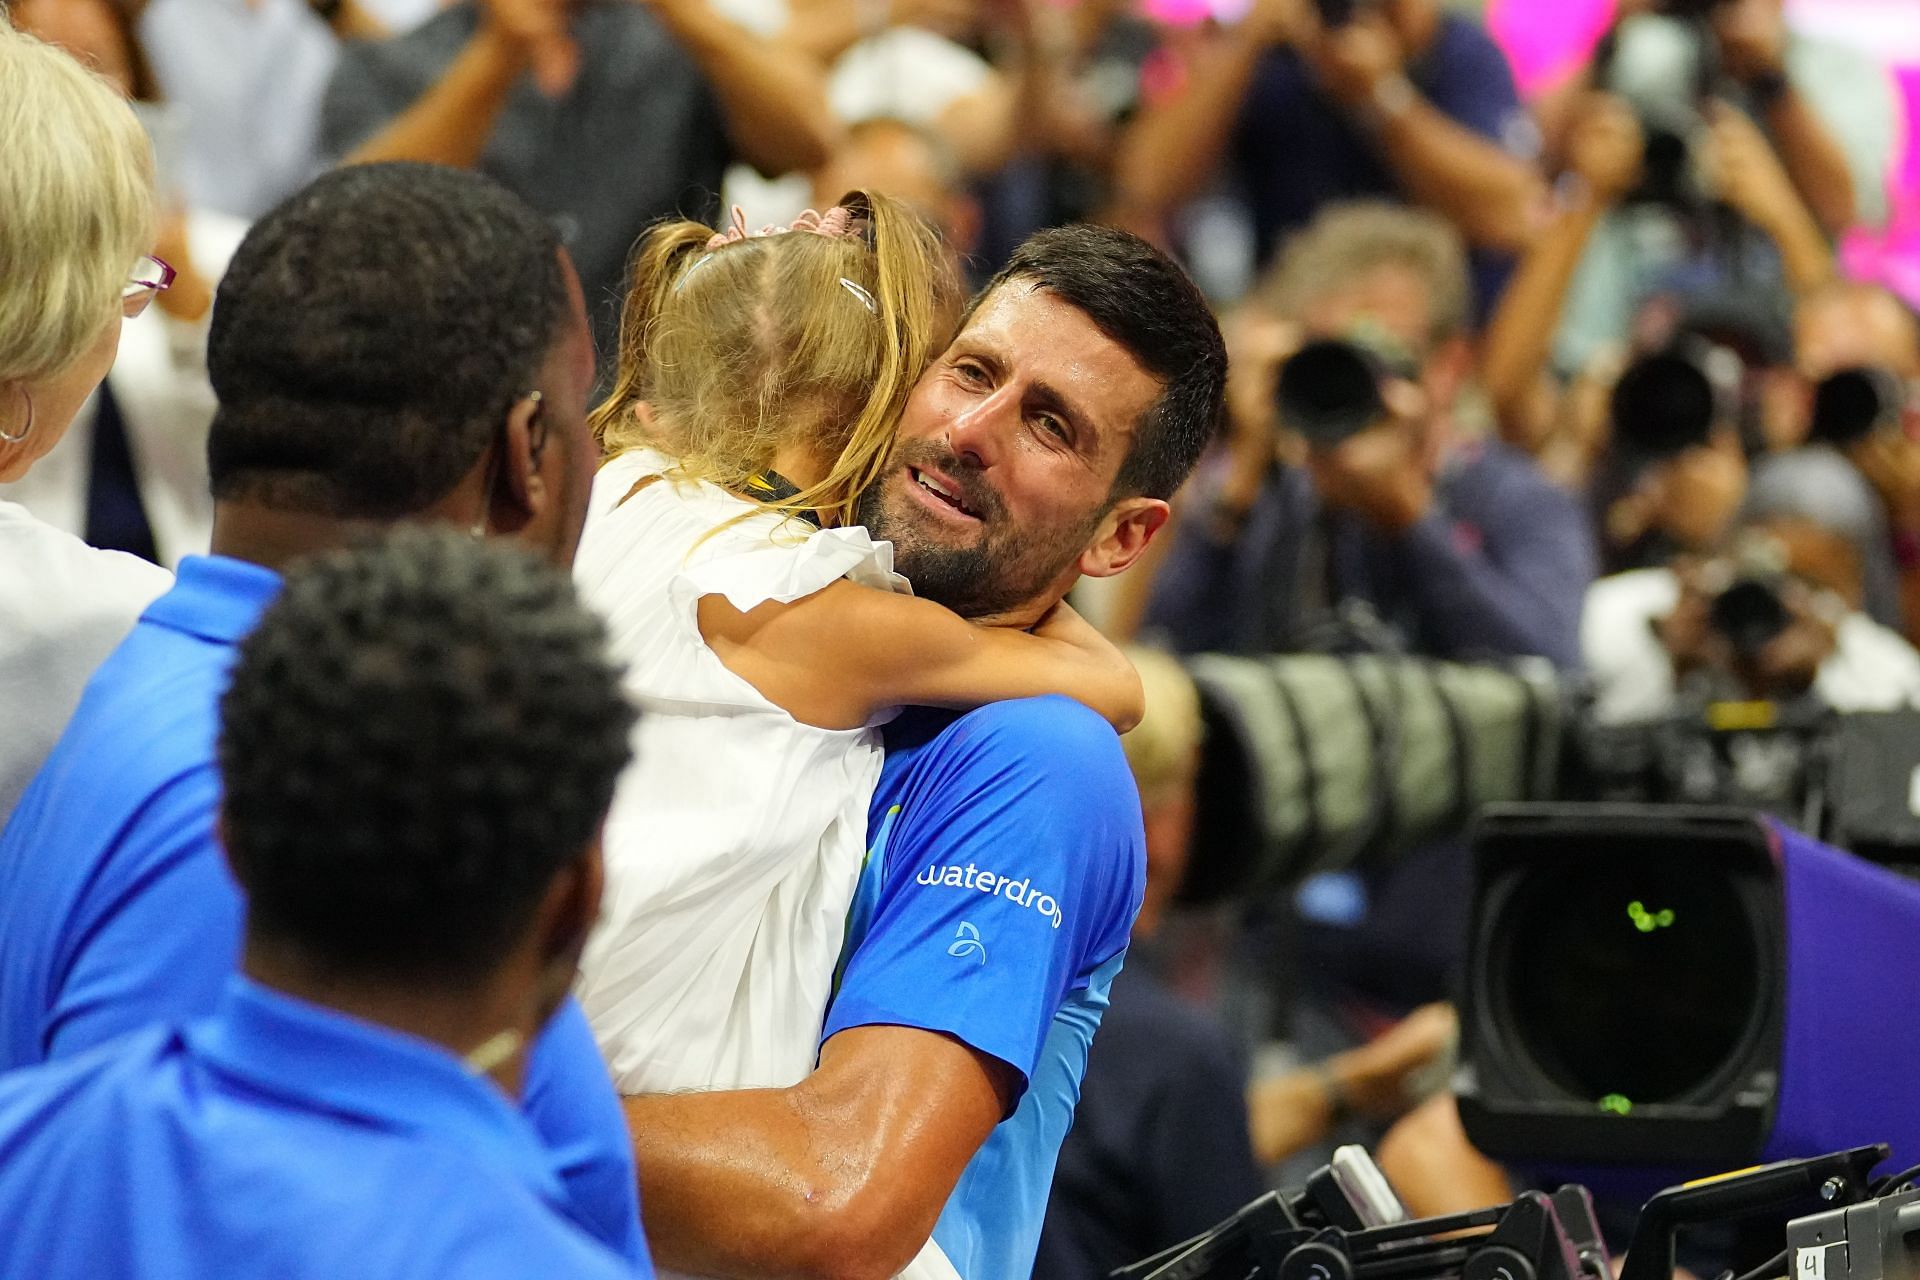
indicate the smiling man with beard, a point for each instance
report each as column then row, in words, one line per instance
column 1005, row 856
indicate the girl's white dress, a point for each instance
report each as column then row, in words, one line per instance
column 737, row 833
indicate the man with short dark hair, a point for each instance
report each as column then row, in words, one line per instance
column 418, row 747
column 395, row 342
column 1005, row 863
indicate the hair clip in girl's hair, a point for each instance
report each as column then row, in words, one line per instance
column 866, row 299
column 698, row 263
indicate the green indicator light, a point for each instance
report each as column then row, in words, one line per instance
column 1618, row 1103
column 1647, row 921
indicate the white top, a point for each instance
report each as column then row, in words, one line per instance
column 737, row 833
column 64, row 606
column 159, row 380
column 1870, row 669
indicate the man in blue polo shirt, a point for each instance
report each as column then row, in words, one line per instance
column 396, row 342
column 418, row 845
column 1006, row 856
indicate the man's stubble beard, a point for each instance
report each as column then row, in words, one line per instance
column 1003, row 569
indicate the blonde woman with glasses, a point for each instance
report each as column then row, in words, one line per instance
column 76, row 224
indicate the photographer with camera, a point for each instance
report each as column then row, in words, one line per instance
column 1775, row 616
column 1360, row 524
column 1308, row 102
column 1560, row 416
column 1857, row 357
column 1761, row 145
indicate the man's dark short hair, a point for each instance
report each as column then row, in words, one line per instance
column 422, row 731
column 1141, row 299
column 372, row 333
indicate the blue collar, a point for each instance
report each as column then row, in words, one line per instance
column 320, row 1060
column 216, row 598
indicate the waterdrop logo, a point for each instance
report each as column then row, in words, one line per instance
column 1022, row 892
column 966, row 942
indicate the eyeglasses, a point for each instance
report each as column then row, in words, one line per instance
column 149, row 276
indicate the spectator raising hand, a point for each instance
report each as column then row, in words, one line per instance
column 1605, row 151
column 476, row 87
column 1403, row 101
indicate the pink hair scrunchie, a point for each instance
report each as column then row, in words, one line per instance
column 835, row 223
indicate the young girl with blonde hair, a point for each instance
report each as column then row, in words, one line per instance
column 761, row 378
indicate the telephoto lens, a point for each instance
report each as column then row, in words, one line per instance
column 1330, row 390
column 1665, row 404
column 1852, row 404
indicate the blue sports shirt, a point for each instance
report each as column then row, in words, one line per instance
column 1005, row 867
column 117, row 911
column 278, row 1139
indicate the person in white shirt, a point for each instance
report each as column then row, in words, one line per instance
column 1649, row 637
column 131, row 472
column 76, row 225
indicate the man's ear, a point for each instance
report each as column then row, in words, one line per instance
column 520, row 493
column 1123, row 536
column 563, row 921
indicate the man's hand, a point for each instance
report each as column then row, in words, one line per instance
column 1744, row 171
column 1275, row 23
column 1377, row 474
column 1752, row 36
column 1606, row 148
column 1257, row 346
column 1352, row 61
column 539, row 31
column 1891, row 462
column 954, row 19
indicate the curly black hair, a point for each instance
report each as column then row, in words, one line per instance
column 423, row 730
column 370, row 336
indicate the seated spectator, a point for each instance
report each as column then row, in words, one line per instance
column 1405, row 100
column 1400, row 536
column 1795, row 139
column 1159, row 1150
column 1655, row 642
column 131, row 475
column 76, row 219
column 417, row 746
column 550, row 98
column 397, row 342
column 249, row 77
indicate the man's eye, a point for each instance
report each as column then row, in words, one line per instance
column 971, row 372
column 1053, row 426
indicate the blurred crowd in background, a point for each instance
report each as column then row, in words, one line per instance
column 1635, row 283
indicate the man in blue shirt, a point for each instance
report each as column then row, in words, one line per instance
column 1402, row 101
column 393, row 343
column 1005, row 861
column 418, row 845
